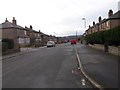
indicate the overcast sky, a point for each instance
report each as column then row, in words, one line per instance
column 56, row 17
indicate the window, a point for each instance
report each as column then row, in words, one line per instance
column 27, row 40
column 107, row 24
column 21, row 40
column 38, row 34
column 25, row 32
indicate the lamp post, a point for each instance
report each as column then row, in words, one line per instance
column 76, row 34
column 84, row 22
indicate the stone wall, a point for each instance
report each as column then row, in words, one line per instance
column 114, row 50
column 97, row 46
column 111, row 49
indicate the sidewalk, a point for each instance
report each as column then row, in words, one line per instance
column 100, row 66
column 22, row 51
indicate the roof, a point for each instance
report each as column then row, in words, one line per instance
column 30, row 30
column 10, row 25
column 115, row 16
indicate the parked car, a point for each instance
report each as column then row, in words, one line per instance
column 73, row 41
column 50, row 44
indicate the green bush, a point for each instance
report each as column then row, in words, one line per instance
column 0, row 46
column 111, row 36
column 10, row 43
column 4, row 46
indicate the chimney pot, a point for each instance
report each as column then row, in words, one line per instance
column 6, row 20
column 25, row 26
column 31, row 27
column 89, row 26
column 13, row 18
column 93, row 23
column 99, row 19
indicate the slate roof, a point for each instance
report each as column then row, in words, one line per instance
column 115, row 16
column 30, row 30
column 8, row 24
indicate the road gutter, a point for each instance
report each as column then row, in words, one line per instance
column 20, row 53
column 94, row 83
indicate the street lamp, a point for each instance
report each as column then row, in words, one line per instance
column 84, row 22
column 76, row 34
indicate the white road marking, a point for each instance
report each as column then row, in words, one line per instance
column 83, row 82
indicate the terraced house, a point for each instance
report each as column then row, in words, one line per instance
column 112, row 21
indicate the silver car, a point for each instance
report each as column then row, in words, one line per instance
column 50, row 44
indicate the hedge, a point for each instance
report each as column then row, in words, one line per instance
column 4, row 46
column 10, row 43
column 111, row 37
column 0, row 46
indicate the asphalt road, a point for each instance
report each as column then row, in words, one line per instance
column 100, row 66
column 54, row 67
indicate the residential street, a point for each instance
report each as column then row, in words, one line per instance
column 67, row 44
column 56, row 67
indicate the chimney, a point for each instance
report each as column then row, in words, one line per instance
column 89, row 26
column 110, row 13
column 26, row 27
column 99, row 19
column 14, row 21
column 93, row 23
column 31, row 27
column 6, row 20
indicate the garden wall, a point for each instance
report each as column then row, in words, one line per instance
column 111, row 49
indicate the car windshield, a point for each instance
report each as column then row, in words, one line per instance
column 50, row 42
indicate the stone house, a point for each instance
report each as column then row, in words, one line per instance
column 13, row 31
column 35, row 36
column 112, row 21
column 45, row 38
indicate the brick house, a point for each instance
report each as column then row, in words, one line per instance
column 112, row 21
column 13, row 31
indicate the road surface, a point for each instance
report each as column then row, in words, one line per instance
column 54, row 67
